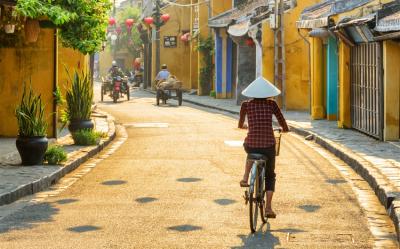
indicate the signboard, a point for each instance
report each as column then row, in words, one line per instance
column 170, row 41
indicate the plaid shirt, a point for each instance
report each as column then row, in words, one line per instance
column 259, row 114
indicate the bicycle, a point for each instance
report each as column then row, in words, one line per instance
column 255, row 194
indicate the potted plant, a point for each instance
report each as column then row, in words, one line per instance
column 9, row 19
column 32, row 128
column 79, row 103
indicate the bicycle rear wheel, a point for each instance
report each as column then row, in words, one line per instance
column 253, row 212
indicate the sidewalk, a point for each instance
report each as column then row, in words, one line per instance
column 377, row 162
column 18, row 181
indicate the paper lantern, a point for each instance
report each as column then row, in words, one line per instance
column 148, row 20
column 185, row 37
column 129, row 22
column 165, row 17
column 250, row 42
column 111, row 21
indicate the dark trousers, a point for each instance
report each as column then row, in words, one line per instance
column 270, row 176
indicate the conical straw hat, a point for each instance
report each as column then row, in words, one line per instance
column 261, row 88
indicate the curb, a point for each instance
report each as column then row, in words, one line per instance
column 47, row 181
column 377, row 182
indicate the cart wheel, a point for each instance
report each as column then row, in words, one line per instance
column 102, row 93
column 158, row 97
column 179, row 97
column 128, row 94
column 115, row 97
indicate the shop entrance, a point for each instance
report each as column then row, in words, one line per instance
column 367, row 89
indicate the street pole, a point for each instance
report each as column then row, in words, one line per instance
column 115, row 47
column 158, row 24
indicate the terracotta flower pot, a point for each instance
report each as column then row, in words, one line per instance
column 32, row 30
column 9, row 28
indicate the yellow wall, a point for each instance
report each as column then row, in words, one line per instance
column 72, row 60
column 32, row 62
column 105, row 62
column 344, row 87
column 391, row 61
column 317, row 79
column 297, row 59
column 177, row 59
column 218, row 7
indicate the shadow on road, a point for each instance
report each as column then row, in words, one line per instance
column 189, row 179
column 264, row 238
column 113, row 182
column 224, row 202
column 336, row 181
column 166, row 105
column 310, row 208
column 28, row 217
column 185, row 228
column 144, row 200
column 66, row 201
column 83, row 229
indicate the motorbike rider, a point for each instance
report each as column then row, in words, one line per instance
column 163, row 74
column 114, row 72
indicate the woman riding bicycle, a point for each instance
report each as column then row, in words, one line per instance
column 260, row 137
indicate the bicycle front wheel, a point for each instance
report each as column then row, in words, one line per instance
column 262, row 196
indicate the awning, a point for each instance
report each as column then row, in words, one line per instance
column 311, row 24
column 357, row 21
column 317, row 16
column 239, row 29
column 357, row 29
column 221, row 20
column 389, row 18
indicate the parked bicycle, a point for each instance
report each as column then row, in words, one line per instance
column 255, row 194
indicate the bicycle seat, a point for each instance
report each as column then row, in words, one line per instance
column 257, row 157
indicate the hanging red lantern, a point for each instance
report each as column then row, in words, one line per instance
column 250, row 42
column 165, row 17
column 129, row 22
column 111, row 21
column 148, row 20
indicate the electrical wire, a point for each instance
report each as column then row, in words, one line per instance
column 186, row 5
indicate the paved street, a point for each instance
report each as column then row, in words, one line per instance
column 171, row 180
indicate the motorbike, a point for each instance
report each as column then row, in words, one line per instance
column 120, row 86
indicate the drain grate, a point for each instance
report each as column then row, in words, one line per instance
column 147, row 125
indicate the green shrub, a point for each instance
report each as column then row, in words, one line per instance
column 213, row 94
column 55, row 155
column 79, row 97
column 30, row 115
column 87, row 137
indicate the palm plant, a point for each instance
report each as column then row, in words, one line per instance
column 79, row 97
column 30, row 115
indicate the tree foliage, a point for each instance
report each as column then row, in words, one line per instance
column 130, row 40
column 82, row 23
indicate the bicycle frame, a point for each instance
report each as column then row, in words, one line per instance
column 255, row 172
